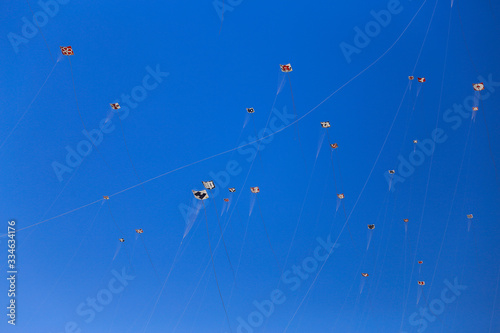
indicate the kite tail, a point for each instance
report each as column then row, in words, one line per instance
column 363, row 281
column 117, row 251
column 282, row 83
column 370, row 234
column 321, row 139
column 192, row 218
column 252, row 204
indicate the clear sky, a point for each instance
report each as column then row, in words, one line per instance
column 184, row 81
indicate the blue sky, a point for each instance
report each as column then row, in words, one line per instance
column 194, row 108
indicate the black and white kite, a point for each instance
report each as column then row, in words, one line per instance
column 209, row 185
column 200, row 195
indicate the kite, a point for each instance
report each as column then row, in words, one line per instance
column 420, row 262
column 67, row 50
column 250, row 110
column 139, row 231
column 421, row 79
column 475, row 108
column 232, row 189
column 478, row 86
column 286, row 68
column 209, row 185
column 415, row 141
column 226, row 200
column 370, row 234
column 325, row 124
column 255, row 189
column 362, row 282
column 106, row 197
column 392, row 172
column 340, row 196
column 200, row 195
column 410, row 77
column 334, row 145
column 406, row 226
column 122, row 240
column 115, row 106
column 469, row 217
column 419, row 294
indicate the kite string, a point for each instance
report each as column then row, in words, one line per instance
column 149, row 256
column 494, row 302
column 256, row 136
column 163, row 286
column 68, row 263
column 489, row 140
column 39, row 29
column 113, row 218
column 29, row 105
column 300, row 215
column 213, row 266
column 239, row 261
column 222, row 237
column 316, row 277
column 296, row 115
column 267, row 234
column 129, row 155
column 191, row 297
column 465, row 40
